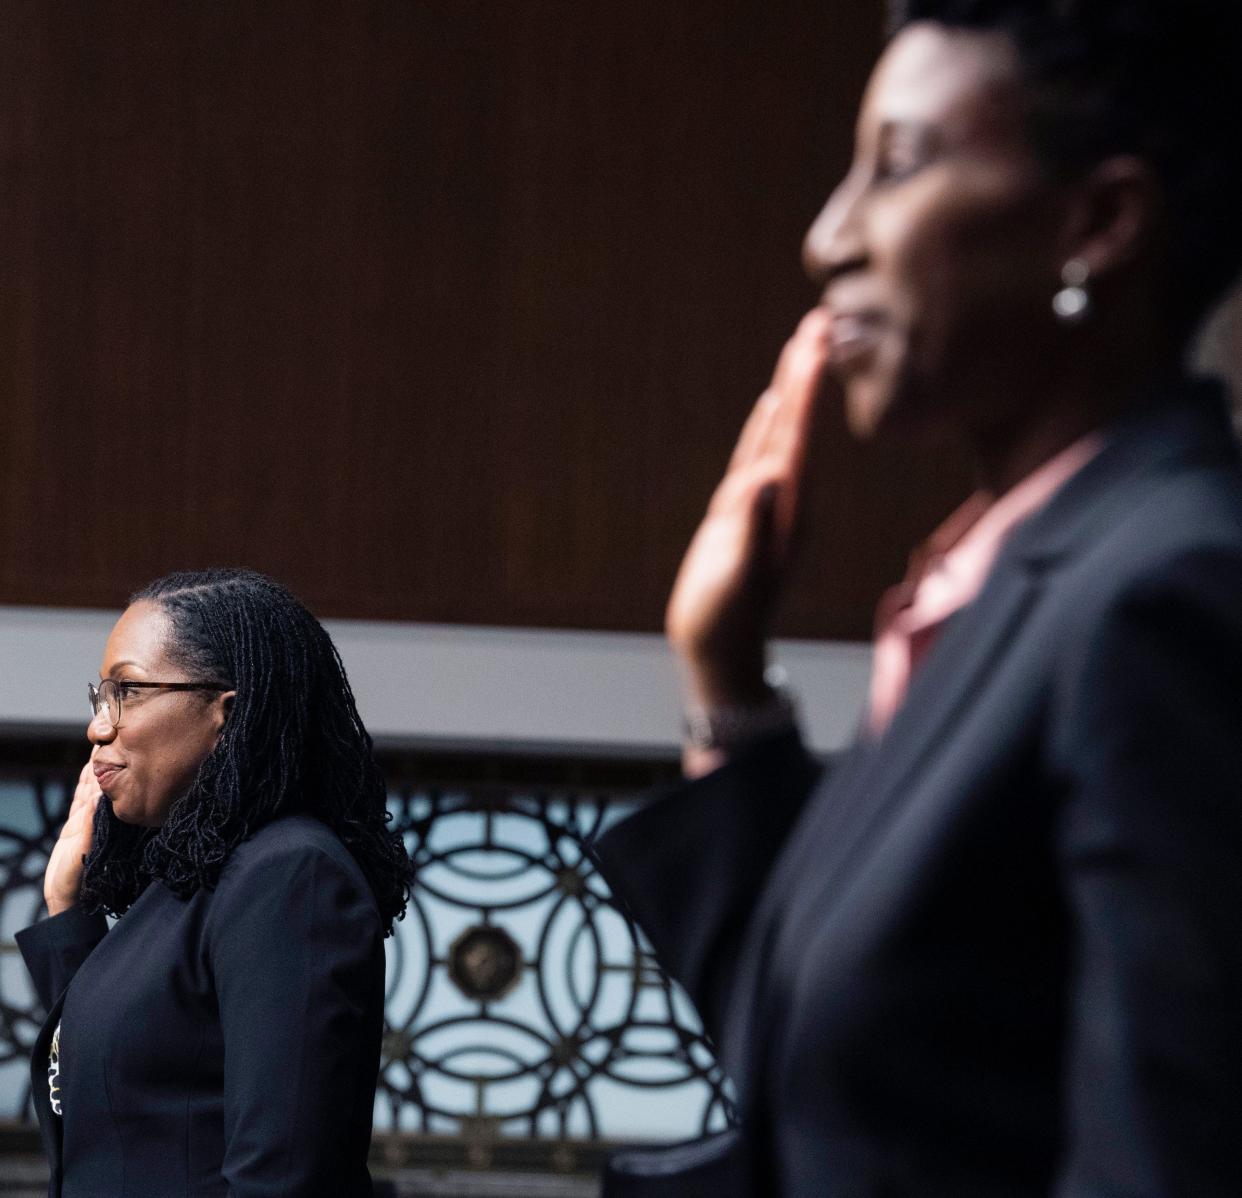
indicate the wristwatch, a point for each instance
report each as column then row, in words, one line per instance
column 731, row 727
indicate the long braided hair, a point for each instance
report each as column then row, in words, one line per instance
column 292, row 742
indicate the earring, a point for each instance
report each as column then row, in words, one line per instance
column 1072, row 303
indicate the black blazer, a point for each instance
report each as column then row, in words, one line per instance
column 223, row 1045
column 1000, row 951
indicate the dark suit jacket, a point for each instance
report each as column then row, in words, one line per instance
column 223, row 1045
column 1000, row 951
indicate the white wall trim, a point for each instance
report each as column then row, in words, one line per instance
column 422, row 683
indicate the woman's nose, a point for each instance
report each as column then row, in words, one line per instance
column 834, row 237
column 100, row 730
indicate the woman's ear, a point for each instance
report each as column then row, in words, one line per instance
column 1114, row 215
column 222, row 708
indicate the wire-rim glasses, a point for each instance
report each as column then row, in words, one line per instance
column 108, row 696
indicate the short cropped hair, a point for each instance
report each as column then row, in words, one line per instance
column 1159, row 79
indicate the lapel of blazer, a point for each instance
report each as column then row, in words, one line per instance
column 1193, row 431
column 970, row 647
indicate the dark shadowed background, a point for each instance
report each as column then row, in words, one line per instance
column 438, row 310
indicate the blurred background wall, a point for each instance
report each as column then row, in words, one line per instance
column 438, row 310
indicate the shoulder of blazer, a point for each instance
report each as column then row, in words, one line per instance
column 279, row 849
column 1183, row 434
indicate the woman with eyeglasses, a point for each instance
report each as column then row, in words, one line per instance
column 224, row 1037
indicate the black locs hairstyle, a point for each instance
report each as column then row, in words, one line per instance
column 293, row 742
column 1159, row 79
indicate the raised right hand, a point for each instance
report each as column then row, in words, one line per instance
column 62, row 881
column 722, row 604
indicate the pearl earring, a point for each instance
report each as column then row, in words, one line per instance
column 1072, row 303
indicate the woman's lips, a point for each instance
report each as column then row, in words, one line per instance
column 104, row 774
column 853, row 335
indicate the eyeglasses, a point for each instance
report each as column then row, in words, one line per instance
column 109, row 694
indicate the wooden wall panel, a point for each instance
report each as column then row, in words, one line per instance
column 441, row 310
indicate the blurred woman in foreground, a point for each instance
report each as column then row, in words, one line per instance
column 997, row 950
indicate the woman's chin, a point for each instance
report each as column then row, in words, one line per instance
column 133, row 814
column 868, row 406
column 879, row 407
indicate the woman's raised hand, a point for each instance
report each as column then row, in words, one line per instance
column 62, row 881
column 719, row 615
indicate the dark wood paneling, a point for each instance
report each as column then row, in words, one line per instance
column 443, row 310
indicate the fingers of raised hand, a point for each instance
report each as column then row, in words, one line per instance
column 799, row 378
column 779, row 423
column 78, row 824
column 755, row 430
column 731, row 573
column 85, row 795
column 804, row 354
